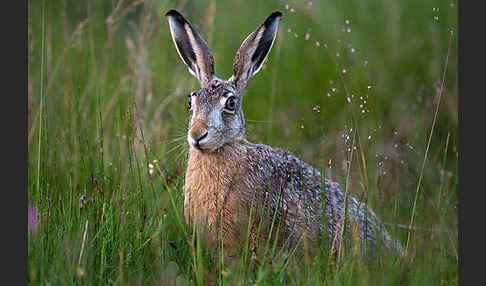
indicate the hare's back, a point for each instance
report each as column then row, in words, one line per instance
column 285, row 187
column 292, row 191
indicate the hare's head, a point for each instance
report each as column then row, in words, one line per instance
column 216, row 115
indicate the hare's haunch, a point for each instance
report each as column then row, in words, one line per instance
column 236, row 189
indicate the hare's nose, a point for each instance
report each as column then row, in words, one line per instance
column 198, row 132
column 201, row 138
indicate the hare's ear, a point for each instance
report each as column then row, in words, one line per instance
column 254, row 50
column 192, row 49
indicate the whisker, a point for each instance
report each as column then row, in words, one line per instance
column 173, row 140
column 184, row 151
column 175, row 148
column 259, row 121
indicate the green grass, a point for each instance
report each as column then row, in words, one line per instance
column 106, row 99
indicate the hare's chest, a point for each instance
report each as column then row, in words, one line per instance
column 211, row 205
column 206, row 195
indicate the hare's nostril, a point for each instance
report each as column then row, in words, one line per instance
column 195, row 141
column 201, row 138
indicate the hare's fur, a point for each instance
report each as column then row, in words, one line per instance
column 236, row 189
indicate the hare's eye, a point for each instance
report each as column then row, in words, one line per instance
column 189, row 97
column 230, row 103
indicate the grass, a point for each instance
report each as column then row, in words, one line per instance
column 107, row 123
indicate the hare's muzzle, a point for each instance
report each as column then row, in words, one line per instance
column 197, row 134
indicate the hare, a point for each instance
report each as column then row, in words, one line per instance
column 235, row 189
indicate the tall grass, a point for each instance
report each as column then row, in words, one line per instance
column 351, row 87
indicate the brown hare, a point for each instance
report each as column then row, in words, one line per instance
column 235, row 189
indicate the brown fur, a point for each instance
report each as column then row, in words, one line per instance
column 211, row 195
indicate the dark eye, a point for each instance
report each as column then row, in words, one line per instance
column 230, row 103
column 189, row 97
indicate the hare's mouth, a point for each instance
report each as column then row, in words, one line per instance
column 203, row 148
column 205, row 145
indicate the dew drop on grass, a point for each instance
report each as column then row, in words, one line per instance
column 343, row 71
column 317, row 43
column 307, row 36
column 352, row 50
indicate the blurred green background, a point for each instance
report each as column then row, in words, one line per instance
column 111, row 99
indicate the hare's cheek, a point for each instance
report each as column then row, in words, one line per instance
column 228, row 120
column 215, row 120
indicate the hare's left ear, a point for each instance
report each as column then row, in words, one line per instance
column 192, row 49
column 254, row 50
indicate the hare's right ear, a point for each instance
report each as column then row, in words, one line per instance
column 192, row 49
column 254, row 50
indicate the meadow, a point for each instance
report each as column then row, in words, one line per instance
column 366, row 91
